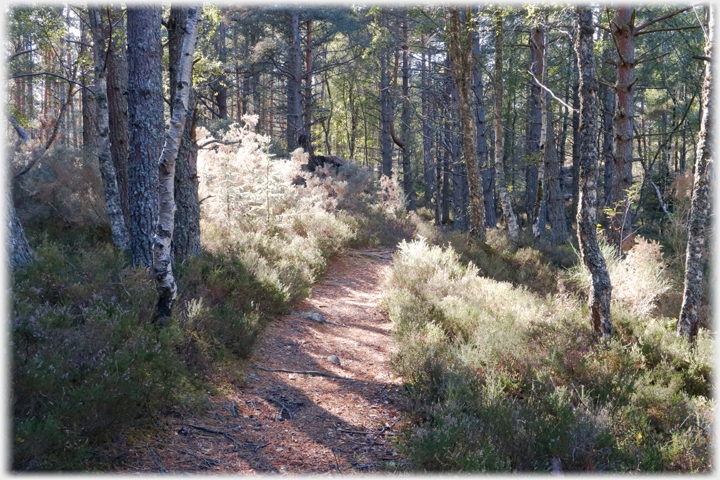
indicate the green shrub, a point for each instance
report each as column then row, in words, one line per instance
column 499, row 378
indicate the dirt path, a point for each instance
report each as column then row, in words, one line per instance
column 299, row 423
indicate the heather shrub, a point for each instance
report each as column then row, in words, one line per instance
column 499, row 378
column 638, row 281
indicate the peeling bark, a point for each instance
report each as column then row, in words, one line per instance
column 162, row 258
column 601, row 290
column 695, row 256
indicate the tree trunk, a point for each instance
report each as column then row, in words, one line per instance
column 428, row 161
column 538, row 212
column 162, row 257
column 461, row 48
column 555, row 198
column 623, row 31
column 587, row 209
column 499, row 148
column 117, row 79
column 533, row 133
column 219, row 86
column 308, row 80
column 487, row 172
column 700, row 202
column 575, row 169
column 386, row 143
column 147, row 126
column 107, row 169
column 89, row 105
column 608, row 112
column 405, row 127
column 186, row 232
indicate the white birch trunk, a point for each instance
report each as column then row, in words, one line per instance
column 162, row 255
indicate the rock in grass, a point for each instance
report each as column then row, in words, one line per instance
column 333, row 359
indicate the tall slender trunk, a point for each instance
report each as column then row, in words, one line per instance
column 623, row 31
column 295, row 121
column 700, row 202
column 534, row 130
column 219, row 86
column 308, row 80
column 405, row 127
column 575, row 169
column 587, row 208
column 607, row 145
column 487, row 172
column 147, row 126
column 499, row 148
column 162, row 256
column 555, row 199
column 539, row 213
column 461, row 47
column 107, row 169
column 386, row 143
column 428, row 166
column 117, row 81
column 89, row 105
column 186, row 232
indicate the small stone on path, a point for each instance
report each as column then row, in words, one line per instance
column 333, row 359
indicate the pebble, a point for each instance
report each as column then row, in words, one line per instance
column 333, row 359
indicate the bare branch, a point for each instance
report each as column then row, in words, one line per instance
column 21, row 75
column 551, row 93
column 671, row 29
column 659, row 19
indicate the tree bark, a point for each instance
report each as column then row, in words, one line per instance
column 405, row 127
column 533, row 132
column 601, row 290
column 487, row 172
column 186, row 232
column 623, row 31
column 386, row 143
column 428, row 161
column 700, row 202
column 608, row 112
column 89, row 105
column 499, row 148
column 107, row 169
column 147, row 126
column 555, row 198
column 162, row 258
column 117, row 79
column 461, row 48
column 538, row 212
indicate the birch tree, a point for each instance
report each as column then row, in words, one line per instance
column 601, row 289
column 162, row 257
column 694, row 259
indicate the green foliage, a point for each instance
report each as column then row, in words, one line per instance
column 498, row 378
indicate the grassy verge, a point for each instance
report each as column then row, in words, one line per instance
column 504, row 376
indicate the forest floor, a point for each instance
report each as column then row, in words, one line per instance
column 297, row 423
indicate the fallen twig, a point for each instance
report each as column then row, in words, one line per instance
column 261, row 446
column 368, row 432
column 299, row 372
column 209, row 461
column 217, row 432
column 282, row 406
column 161, row 469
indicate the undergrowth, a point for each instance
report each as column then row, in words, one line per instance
column 88, row 363
column 504, row 376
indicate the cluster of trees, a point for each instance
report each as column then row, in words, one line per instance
column 538, row 117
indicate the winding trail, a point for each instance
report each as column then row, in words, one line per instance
column 298, row 423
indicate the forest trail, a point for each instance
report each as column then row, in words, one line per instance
column 291, row 422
